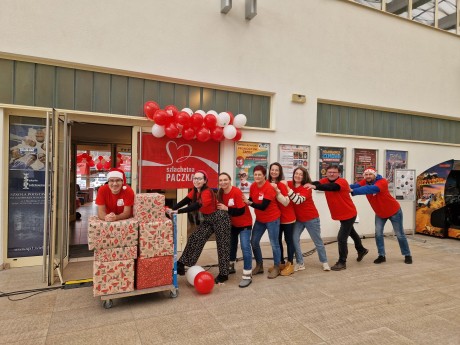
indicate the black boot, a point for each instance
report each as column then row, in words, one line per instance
column 180, row 268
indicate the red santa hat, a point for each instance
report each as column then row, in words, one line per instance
column 371, row 171
column 117, row 173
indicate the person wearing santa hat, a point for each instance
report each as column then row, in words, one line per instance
column 385, row 206
column 115, row 199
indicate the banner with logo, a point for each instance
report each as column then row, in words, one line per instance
column 26, row 190
column 293, row 156
column 170, row 163
column 248, row 155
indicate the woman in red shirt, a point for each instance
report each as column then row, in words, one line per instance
column 262, row 197
column 202, row 198
column 230, row 199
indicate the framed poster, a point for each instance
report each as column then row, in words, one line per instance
column 363, row 159
column 405, row 183
column 293, row 156
column 394, row 160
column 328, row 156
column 248, row 155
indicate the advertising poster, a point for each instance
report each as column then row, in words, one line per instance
column 363, row 159
column 330, row 155
column 293, row 156
column 248, row 155
column 171, row 163
column 394, row 160
column 405, row 182
column 26, row 190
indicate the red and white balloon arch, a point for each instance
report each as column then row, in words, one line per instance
column 190, row 125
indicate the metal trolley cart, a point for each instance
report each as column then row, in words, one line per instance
column 107, row 300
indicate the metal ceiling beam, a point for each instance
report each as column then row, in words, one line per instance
column 400, row 6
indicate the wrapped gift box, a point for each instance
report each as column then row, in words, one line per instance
column 115, row 254
column 149, row 207
column 113, row 277
column 153, row 272
column 122, row 233
column 156, row 239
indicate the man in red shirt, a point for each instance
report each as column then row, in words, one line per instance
column 115, row 199
column 375, row 187
column 342, row 209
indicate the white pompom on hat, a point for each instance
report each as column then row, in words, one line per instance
column 371, row 171
column 117, row 173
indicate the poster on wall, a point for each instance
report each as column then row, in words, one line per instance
column 405, row 183
column 26, row 190
column 394, row 160
column 171, row 163
column 363, row 159
column 248, row 155
column 328, row 156
column 293, row 156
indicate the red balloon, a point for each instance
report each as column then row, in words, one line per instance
column 196, row 120
column 99, row 166
column 171, row 109
column 150, row 108
column 107, row 165
column 100, row 158
column 171, row 131
column 238, row 135
column 210, row 121
column 183, row 119
column 231, row 117
column 188, row 134
column 218, row 134
column 203, row 135
column 91, row 163
column 160, row 117
column 204, row 282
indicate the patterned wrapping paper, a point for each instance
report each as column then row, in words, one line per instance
column 113, row 277
column 156, row 239
column 115, row 254
column 154, row 272
column 149, row 207
column 122, row 233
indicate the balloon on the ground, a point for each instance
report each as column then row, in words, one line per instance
column 204, row 282
column 191, row 274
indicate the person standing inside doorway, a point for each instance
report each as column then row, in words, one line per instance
column 342, row 209
column 115, row 199
column 375, row 187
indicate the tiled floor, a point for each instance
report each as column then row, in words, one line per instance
column 391, row 303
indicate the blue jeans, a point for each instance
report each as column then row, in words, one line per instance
column 245, row 236
column 397, row 222
column 314, row 229
column 273, row 232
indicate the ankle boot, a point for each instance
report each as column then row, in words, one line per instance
column 231, row 267
column 274, row 273
column 288, row 269
column 258, row 269
column 246, row 279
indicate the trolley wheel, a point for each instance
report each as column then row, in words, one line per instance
column 107, row 304
column 174, row 293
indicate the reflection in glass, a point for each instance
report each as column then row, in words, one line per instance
column 371, row 3
column 423, row 11
column 398, row 7
column 447, row 15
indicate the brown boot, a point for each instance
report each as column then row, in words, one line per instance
column 281, row 266
column 274, row 273
column 288, row 269
column 258, row 269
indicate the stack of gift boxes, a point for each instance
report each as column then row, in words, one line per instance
column 148, row 237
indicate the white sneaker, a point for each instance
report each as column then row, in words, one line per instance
column 299, row 267
column 326, row 267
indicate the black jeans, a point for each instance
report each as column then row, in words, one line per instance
column 288, row 230
column 347, row 229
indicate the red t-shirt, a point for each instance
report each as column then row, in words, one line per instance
column 287, row 212
column 307, row 210
column 208, row 200
column 340, row 204
column 257, row 195
column 234, row 199
column 383, row 203
column 115, row 202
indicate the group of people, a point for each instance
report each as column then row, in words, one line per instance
column 281, row 207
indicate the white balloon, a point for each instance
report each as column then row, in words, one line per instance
column 188, row 111
column 239, row 120
column 229, row 131
column 223, row 119
column 158, row 131
column 201, row 112
column 213, row 112
column 191, row 274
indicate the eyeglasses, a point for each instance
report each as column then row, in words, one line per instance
column 197, row 178
column 332, row 172
column 242, row 175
